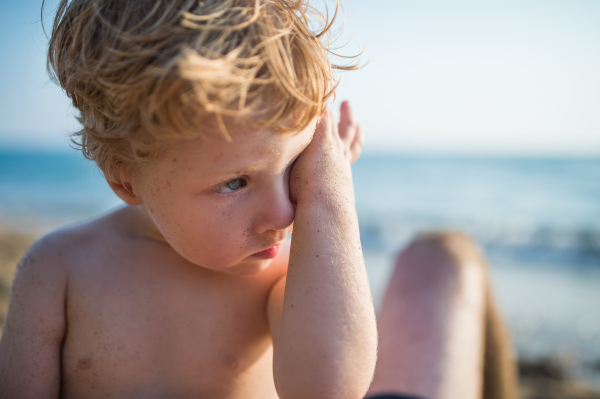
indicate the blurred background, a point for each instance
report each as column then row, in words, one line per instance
column 482, row 117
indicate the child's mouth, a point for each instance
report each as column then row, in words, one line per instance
column 268, row 253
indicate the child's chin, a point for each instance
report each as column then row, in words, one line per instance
column 248, row 268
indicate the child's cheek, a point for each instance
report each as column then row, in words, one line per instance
column 207, row 237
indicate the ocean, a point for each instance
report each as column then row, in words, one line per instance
column 538, row 221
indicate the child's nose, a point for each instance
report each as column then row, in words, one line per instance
column 276, row 209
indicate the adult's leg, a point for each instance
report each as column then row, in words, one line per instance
column 500, row 371
column 440, row 335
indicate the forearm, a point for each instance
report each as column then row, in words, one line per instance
column 328, row 337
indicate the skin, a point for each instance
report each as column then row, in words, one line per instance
column 432, row 321
column 167, row 298
column 440, row 331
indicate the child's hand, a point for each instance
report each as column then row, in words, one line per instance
column 327, row 336
column 323, row 168
column 349, row 132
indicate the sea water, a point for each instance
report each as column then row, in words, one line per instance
column 538, row 221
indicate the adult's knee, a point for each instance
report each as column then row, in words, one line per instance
column 431, row 319
column 450, row 259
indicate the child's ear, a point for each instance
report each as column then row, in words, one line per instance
column 122, row 185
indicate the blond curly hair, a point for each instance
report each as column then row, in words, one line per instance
column 145, row 71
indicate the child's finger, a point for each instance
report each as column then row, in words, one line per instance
column 357, row 145
column 347, row 125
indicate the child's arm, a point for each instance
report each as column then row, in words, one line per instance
column 325, row 346
column 30, row 348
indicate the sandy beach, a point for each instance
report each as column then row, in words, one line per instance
column 12, row 247
column 546, row 378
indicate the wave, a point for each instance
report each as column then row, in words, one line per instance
column 544, row 244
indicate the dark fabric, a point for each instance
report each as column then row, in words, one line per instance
column 393, row 396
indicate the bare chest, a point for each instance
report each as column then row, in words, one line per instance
column 163, row 329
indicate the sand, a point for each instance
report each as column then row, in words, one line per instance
column 540, row 379
column 12, row 248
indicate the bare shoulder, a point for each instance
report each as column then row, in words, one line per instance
column 43, row 272
column 46, row 260
column 36, row 322
column 35, row 325
column 52, row 251
column 65, row 247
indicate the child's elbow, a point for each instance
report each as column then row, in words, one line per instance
column 322, row 391
column 324, row 385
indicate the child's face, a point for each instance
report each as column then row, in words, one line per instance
column 224, row 206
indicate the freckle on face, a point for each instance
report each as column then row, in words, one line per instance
column 208, row 221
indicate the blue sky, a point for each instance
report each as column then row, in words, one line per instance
column 460, row 77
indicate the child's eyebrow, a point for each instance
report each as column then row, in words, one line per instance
column 239, row 172
column 221, row 176
column 249, row 170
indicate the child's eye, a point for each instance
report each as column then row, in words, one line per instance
column 231, row 186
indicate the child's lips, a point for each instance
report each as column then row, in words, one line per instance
column 268, row 253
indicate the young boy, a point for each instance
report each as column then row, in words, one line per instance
column 208, row 119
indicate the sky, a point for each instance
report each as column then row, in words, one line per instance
column 516, row 78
